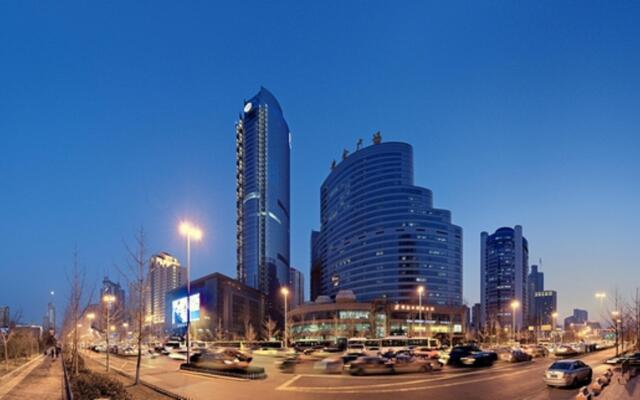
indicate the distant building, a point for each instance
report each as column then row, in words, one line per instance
column 296, row 284
column 476, row 313
column 380, row 235
column 49, row 320
column 536, row 284
column 165, row 274
column 220, row 308
column 4, row 316
column 263, row 150
column 118, row 308
column 545, row 304
column 504, row 263
column 579, row 317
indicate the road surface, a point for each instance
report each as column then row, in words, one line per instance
column 501, row 382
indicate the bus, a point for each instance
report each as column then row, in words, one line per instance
column 356, row 344
column 394, row 344
column 431, row 343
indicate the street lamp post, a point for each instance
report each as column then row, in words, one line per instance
column 285, row 293
column 554, row 319
column 420, row 293
column 514, row 306
column 190, row 232
column 108, row 299
column 615, row 315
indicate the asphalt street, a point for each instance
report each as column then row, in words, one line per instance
column 501, row 382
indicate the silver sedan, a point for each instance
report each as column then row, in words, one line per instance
column 568, row 373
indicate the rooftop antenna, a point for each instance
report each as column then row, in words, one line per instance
column 377, row 138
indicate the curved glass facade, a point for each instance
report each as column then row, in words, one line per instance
column 380, row 235
column 262, row 195
column 504, row 263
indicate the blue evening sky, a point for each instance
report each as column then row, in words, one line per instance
column 116, row 114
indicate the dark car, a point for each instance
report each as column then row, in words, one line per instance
column 517, row 356
column 479, row 359
column 457, row 353
column 224, row 359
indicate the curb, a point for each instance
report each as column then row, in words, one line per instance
column 147, row 384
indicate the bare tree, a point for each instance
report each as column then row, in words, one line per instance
column 219, row 331
column 8, row 334
column 75, row 309
column 271, row 328
column 136, row 274
column 249, row 333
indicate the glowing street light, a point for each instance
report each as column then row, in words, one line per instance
column 285, row 292
column 191, row 232
column 108, row 299
column 514, row 306
column 420, row 293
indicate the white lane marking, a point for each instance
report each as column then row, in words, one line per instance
column 288, row 383
column 364, row 389
column 403, row 383
column 228, row 378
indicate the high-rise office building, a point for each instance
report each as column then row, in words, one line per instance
column 49, row 320
column 380, row 235
column 296, row 284
column 476, row 312
column 165, row 274
column 545, row 304
column 262, row 198
column 118, row 307
column 504, row 261
column 535, row 284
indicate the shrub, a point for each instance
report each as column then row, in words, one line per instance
column 92, row 385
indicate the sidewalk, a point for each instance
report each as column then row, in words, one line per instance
column 43, row 381
column 622, row 391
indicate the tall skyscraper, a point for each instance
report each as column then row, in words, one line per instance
column 49, row 320
column 296, row 284
column 546, row 303
column 165, row 274
column 476, row 312
column 380, row 235
column 504, row 261
column 118, row 308
column 535, row 284
column 262, row 198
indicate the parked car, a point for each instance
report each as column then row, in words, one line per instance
column 224, row 358
column 479, row 359
column 330, row 365
column 181, row 355
column 631, row 359
column 426, row 352
column 568, row 373
column 405, row 364
column 564, row 351
column 516, row 355
column 370, row 365
column 536, row 350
